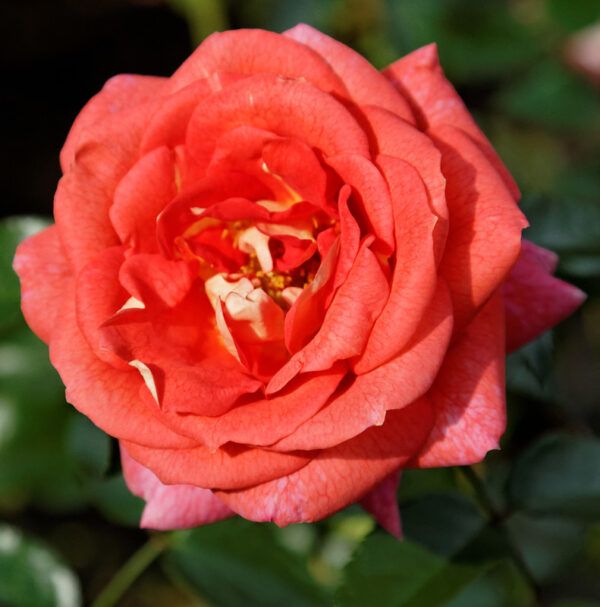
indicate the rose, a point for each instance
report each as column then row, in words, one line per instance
column 279, row 277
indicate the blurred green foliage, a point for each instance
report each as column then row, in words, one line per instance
column 525, row 531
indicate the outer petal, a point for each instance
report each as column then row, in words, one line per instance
column 339, row 476
column 484, row 241
column 109, row 397
column 382, row 503
column 534, row 299
column 171, row 506
column 119, row 93
column 229, row 467
column 107, row 151
column 468, row 394
column 253, row 52
column 419, row 77
column 363, row 81
column 45, row 277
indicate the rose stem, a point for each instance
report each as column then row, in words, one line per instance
column 496, row 517
column 130, row 571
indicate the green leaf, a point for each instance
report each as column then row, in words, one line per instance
column 422, row 481
column 529, row 370
column 500, row 586
column 565, row 226
column 550, row 95
column 87, row 446
column 442, row 523
column 574, row 14
column 548, row 545
column 35, row 415
column 12, row 231
column 32, row 576
column 114, row 500
column 558, row 475
column 477, row 41
column 390, row 573
column 236, row 562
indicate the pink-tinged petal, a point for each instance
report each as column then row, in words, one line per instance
column 468, row 394
column 364, row 83
column 371, row 197
column 399, row 139
column 171, row 506
column 535, row 301
column 45, row 276
column 485, row 237
column 108, row 149
column 256, row 51
column 140, row 197
column 420, row 79
column 290, row 108
column 339, row 476
column 546, row 259
column 350, row 317
column 109, row 397
column 157, row 281
column 264, row 420
column 415, row 273
column 119, row 93
column 382, row 503
column 229, row 467
column 367, row 399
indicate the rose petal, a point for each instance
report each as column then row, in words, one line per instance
column 485, row 237
column 119, row 93
column 290, row 108
column 415, row 274
column 109, row 397
column 141, row 196
column 373, row 205
column 171, row 506
column 265, row 420
column 420, row 79
column 45, row 277
column 107, row 150
column 399, row 139
column 535, row 301
column 468, row 394
column 338, row 476
column 253, row 52
column 363, row 81
column 229, row 467
column 366, row 401
column 382, row 503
